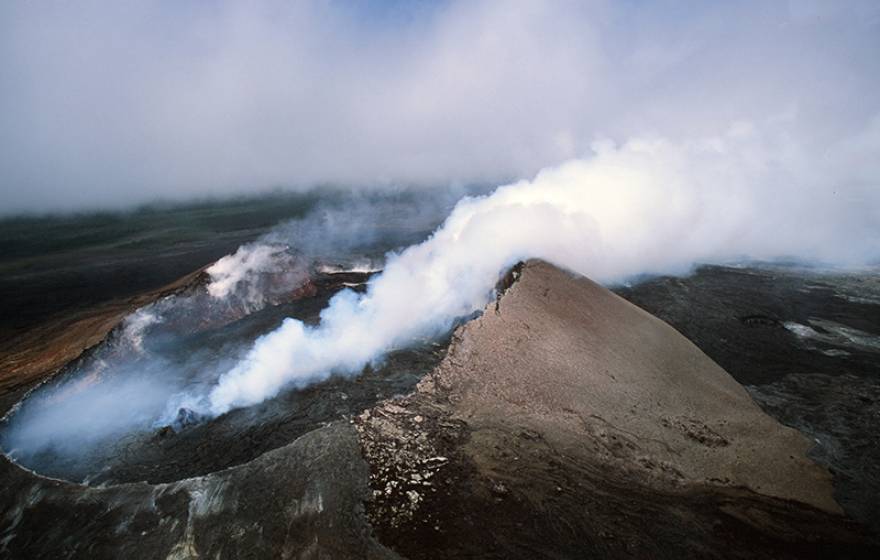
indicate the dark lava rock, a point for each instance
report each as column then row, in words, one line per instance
column 165, row 431
column 760, row 321
column 734, row 315
column 186, row 418
column 193, row 446
column 806, row 344
column 841, row 414
column 303, row 500
column 551, row 429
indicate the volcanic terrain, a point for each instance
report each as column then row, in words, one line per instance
column 561, row 422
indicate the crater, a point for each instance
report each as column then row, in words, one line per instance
column 193, row 445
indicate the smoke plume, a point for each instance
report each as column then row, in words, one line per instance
column 159, row 357
column 648, row 206
column 653, row 136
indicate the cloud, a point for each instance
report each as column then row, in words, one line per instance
column 109, row 104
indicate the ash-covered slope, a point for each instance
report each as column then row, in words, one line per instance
column 567, row 422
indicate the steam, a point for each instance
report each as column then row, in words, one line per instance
column 655, row 137
column 648, row 206
column 73, row 417
column 239, row 272
column 135, row 326
column 169, row 353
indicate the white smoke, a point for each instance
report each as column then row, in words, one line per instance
column 156, row 361
column 240, row 273
column 465, row 91
column 232, row 270
column 86, row 411
column 648, row 206
column 134, row 327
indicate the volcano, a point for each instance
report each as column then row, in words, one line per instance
column 192, row 444
column 562, row 421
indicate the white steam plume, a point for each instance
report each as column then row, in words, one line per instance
column 648, row 206
column 159, row 351
column 240, row 273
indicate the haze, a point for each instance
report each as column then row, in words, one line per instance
column 106, row 104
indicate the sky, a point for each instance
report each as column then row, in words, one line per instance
column 112, row 104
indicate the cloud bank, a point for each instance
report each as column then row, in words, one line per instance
column 107, row 104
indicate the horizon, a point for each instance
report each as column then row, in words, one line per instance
column 111, row 106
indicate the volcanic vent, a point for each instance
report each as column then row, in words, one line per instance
column 183, row 340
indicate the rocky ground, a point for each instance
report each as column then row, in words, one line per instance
column 763, row 322
column 282, row 480
column 201, row 447
column 28, row 358
column 562, row 423
column 303, row 500
column 566, row 423
column 840, row 414
column 805, row 343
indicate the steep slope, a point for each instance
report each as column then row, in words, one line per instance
column 566, row 421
